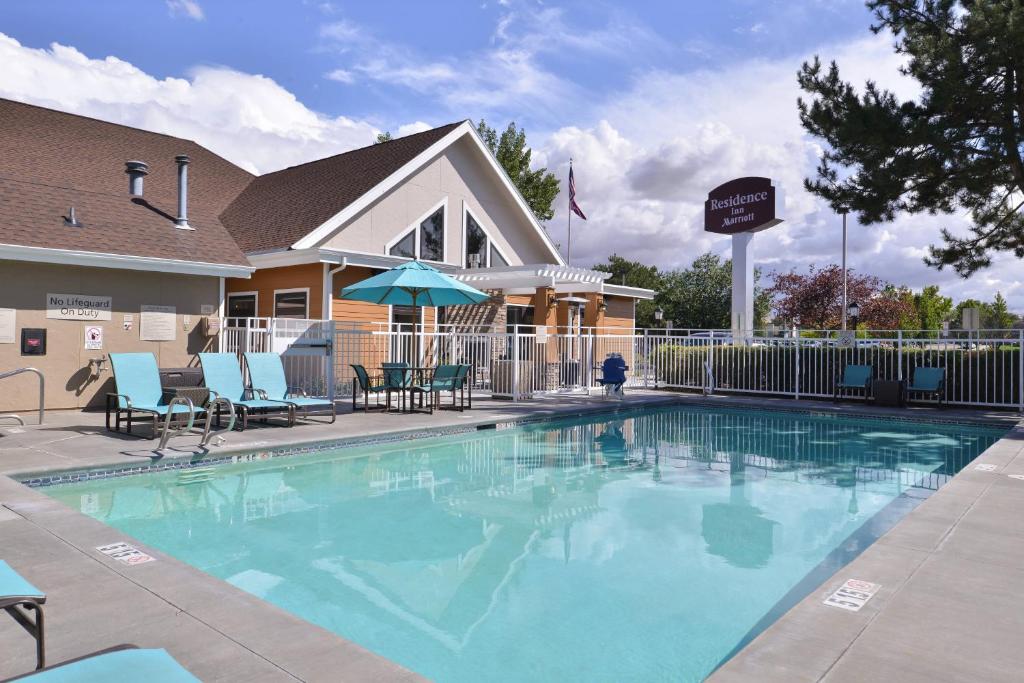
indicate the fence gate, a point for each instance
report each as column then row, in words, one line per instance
column 306, row 348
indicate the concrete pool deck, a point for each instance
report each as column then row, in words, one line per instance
column 948, row 571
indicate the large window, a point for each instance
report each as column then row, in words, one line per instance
column 423, row 241
column 481, row 251
column 518, row 315
column 291, row 303
column 241, row 305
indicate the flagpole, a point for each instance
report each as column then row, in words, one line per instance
column 568, row 240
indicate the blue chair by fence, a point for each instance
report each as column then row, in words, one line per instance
column 397, row 378
column 854, row 378
column 138, row 390
column 613, row 374
column 362, row 382
column 223, row 377
column 121, row 663
column 928, row 381
column 24, row 602
column 268, row 381
column 444, row 378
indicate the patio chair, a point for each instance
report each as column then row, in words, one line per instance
column 223, row 377
column 267, row 379
column 444, row 378
column 397, row 377
column 138, row 390
column 121, row 663
column 18, row 598
column 613, row 374
column 930, row 382
column 363, row 383
column 855, row 378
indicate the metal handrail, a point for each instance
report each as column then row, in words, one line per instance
column 42, row 386
column 217, row 400
column 177, row 400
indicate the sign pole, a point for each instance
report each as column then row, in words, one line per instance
column 568, row 239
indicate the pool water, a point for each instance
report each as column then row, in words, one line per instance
column 638, row 546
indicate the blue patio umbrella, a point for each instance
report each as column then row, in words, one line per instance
column 414, row 284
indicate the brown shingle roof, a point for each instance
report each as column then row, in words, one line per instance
column 278, row 209
column 50, row 161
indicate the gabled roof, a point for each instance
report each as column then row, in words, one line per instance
column 280, row 208
column 51, row 161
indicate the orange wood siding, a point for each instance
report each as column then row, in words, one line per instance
column 266, row 280
column 519, row 299
column 619, row 315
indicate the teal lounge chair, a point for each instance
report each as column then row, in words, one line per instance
column 362, row 382
column 855, row 378
column 19, row 598
column 138, row 390
column 444, row 378
column 930, row 382
column 266, row 377
column 122, row 663
column 223, row 377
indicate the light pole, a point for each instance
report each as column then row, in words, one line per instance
column 796, row 326
column 844, row 212
column 658, row 314
column 854, row 311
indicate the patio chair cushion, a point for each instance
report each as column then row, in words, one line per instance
column 927, row 379
column 855, row 376
column 151, row 666
column 137, row 377
column 14, row 585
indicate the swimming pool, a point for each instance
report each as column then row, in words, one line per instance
column 644, row 545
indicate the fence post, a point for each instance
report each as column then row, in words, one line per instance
column 899, row 355
column 332, row 377
column 796, row 367
column 1020, row 370
column 708, row 372
column 515, row 365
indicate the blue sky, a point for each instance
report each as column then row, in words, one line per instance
column 655, row 101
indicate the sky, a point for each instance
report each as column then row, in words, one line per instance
column 656, row 102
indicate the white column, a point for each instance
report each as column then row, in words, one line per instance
column 742, row 286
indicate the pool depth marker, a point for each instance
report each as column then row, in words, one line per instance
column 741, row 207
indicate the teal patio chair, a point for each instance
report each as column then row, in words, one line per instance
column 121, row 663
column 267, row 379
column 444, row 378
column 138, row 390
column 397, row 378
column 19, row 598
column 362, row 382
column 855, row 378
column 223, row 377
column 930, row 382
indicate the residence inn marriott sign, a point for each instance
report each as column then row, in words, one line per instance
column 740, row 205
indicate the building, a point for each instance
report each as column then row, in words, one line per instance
column 119, row 239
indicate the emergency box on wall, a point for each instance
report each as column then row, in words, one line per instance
column 33, row 341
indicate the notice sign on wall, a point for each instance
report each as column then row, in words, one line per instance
column 93, row 337
column 157, row 323
column 7, row 325
column 77, row 307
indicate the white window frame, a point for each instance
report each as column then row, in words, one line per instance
column 491, row 242
column 227, row 301
column 291, row 290
column 415, row 227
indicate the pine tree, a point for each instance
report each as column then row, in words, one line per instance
column 538, row 187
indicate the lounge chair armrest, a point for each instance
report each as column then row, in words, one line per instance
column 127, row 400
column 297, row 391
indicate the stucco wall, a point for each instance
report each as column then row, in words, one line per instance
column 463, row 176
column 69, row 383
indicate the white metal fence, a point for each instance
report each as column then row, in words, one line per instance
column 982, row 368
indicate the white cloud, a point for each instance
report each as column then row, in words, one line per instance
column 341, row 76
column 414, row 127
column 247, row 118
column 187, row 8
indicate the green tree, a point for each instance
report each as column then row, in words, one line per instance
column 538, row 187
column 634, row 274
column 932, row 308
column 701, row 296
column 384, row 137
column 996, row 315
column 957, row 146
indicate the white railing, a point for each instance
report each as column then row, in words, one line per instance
column 983, row 368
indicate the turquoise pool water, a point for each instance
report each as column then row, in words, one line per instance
column 638, row 546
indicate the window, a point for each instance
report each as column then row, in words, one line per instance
column 517, row 315
column 476, row 244
column 291, row 303
column 496, row 258
column 242, row 305
column 425, row 241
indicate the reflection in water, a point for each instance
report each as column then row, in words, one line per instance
column 447, row 554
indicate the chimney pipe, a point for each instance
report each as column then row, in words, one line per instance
column 136, row 171
column 182, row 220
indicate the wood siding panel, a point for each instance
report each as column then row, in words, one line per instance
column 266, row 280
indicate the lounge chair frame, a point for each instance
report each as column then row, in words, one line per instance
column 317, row 408
column 27, row 610
column 361, row 379
column 842, row 385
column 241, row 409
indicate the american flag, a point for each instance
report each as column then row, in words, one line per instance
column 573, row 206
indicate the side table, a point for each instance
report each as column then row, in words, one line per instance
column 888, row 392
